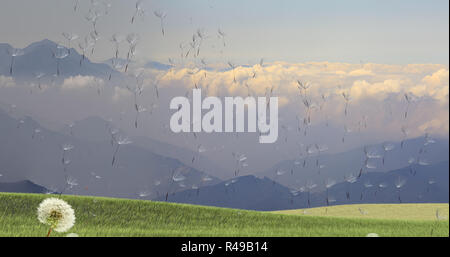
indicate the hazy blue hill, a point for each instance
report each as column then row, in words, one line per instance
column 24, row 186
column 25, row 154
column 417, row 187
column 157, row 65
column 97, row 129
column 38, row 57
column 253, row 193
column 246, row 192
column 339, row 165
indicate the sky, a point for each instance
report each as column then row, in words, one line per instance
column 388, row 32
column 375, row 51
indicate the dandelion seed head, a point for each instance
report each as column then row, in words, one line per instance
column 56, row 213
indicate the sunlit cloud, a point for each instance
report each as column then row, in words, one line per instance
column 81, row 82
column 370, row 86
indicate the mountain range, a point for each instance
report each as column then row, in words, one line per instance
column 338, row 166
column 24, row 186
column 29, row 151
column 416, row 184
column 39, row 57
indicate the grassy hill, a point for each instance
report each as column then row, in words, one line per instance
column 121, row 217
column 413, row 211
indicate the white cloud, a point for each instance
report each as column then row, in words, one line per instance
column 360, row 72
column 80, row 82
column 371, row 87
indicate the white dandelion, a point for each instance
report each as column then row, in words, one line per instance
column 56, row 213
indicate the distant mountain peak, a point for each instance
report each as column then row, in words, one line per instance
column 38, row 57
column 23, row 186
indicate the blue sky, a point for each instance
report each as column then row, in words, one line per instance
column 383, row 31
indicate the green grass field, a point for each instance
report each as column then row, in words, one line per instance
column 419, row 212
column 120, row 217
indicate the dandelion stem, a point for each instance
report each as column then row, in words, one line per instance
column 49, row 231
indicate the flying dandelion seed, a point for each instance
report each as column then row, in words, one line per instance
column 139, row 11
column 94, row 37
column 95, row 175
column 371, row 153
column 386, row 148
column 71, row 182
column 405, row 133
column 347, row 130
column 367, row 186
column 399, row 183
column 280, row 172
column 233, row 67
column 350, row 179
column 409, row 99
column 14, row 53
column 329, row 183
column 381, row 186
column 439, row 216
column 161, row 16
column 310, row 185
column 143, row 194
column 69, row 37
column 36, row 132
column 38, row 76
column 119, row 142
column 201, row 149
column 60, row 54
column 303, row 87
column 117, row 39
column 346, row 96
column 206, row 179
column 92, row 17
column 75, row 5
column 118, row 65
column 362, row 211
column 140, row 109
column 428, row 140
column 132, row 40
column 20, row 123
column 178, row 177
column 221, row 35
column 57, row 214
column 423, row 162
column 431, row 182
column 66, row 148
